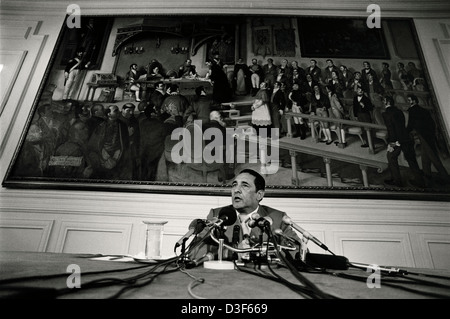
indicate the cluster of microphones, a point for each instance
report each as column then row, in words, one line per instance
column 227, row 217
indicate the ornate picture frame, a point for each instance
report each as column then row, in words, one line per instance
column 46, row 158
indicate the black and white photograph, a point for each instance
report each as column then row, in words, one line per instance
column 149, row 135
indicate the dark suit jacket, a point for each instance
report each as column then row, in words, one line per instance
column 420, row 121
column 278, row 101
column 208, row 245
column 316, row 73
column 395, row 124
column 362, row 113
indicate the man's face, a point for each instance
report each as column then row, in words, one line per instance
column 244, row 196
column 366, row 65
column 127, row 112
column 411, row 101
column 114, row 112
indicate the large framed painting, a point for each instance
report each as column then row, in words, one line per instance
column 127, row 103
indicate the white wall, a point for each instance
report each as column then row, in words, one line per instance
column 394, row 232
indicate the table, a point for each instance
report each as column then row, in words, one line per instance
column 43, row 274
column 94, row 86
column 186, row 86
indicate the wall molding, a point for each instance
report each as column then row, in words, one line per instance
column 23, row 225
column 68, row 226
column 403, row 8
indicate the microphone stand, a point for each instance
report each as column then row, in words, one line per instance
column 220, row 263
column 259, row 256
column 183, row 251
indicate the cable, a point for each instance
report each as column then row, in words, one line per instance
column 191, row 286
column 164, row 271
column 301, row 290
column 103, row 282
column 394, row 285
column 18, row 279
column 318, row 293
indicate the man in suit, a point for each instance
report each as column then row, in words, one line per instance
column 247, row 191
column 314, row 71
column 157, row 96
column 399, row 141
column 187, row 69
column 362, row 109
column 200, row 105
column 277, row 104
column 421, row 122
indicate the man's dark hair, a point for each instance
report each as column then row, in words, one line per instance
column 413, row 97
column 128, row 106
column 390, row 100
column 260, row 182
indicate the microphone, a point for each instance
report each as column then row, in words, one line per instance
column 196, row 262
column 256, row 220
column 228, row 216
column 261, row 222
column 195, row 227
column 287, row 220
column 387, row 269
column 251, row 221
column 236, row 233
column 292, row 240
column 327, row 261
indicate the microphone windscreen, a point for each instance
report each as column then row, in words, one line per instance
column 327, row 261
column 278, row 232
column 200, row 225
column 269, row 219
column 194, row 223
column 287, row 220
column 228, row 215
